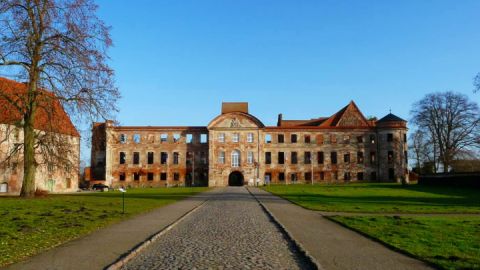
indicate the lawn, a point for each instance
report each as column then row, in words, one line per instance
column 29, row 226
column 380, row 198
column 447, row 242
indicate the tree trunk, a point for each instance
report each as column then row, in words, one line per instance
column 29, row 164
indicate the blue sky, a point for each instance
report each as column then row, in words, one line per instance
column 176, row 61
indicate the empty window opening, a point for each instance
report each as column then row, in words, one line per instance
column 293, row 138
column 150, row 157
column 333, row 157
column 360, row 157
column 405, row 138
column 203, row 158
column 346, row 158
column 122, row 176
column 150, row 176
column 136, row 138
column 346, row 139
column 281, row 176
column 405, row 155
column 176, row 176
column 308, row 176
column 281, row 158
column 307, row 138
column 391, row 174
column 307, row 158
column 176, row 137
column 268, row 138
column 294, row 158
column 360, row 139
column 176, row 158
column 389, row 137
column 189, row 138
column 322, row 176
column 360, row 176
column 163, row 176
column 320, row 157
column 123, row 138
column 268, row 157
column 203, row 138
column 281, row 138
column 136, row 176
column 346, row 176
column 293, row 177
column 163, row 137
column 163, row 157
column 136, row 158
column 123, row 158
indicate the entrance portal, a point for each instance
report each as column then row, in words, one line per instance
column 235, row 179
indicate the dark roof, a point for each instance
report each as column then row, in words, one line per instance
column 391, row 118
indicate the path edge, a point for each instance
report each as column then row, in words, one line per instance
column 129, row 255
column 287, row 234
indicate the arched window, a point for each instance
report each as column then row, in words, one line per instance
column 236, row 158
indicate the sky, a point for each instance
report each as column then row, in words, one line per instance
column 176, row 61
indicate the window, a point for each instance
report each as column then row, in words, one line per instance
column 335, row 175
column 163, row 176
column 281, row 176
column 293, row 177
column 123, row 138
column 373, row 158
column 307, row 158
column 190, row 158
column 308, row 176
column 404, row 138
column 322, row 176
column 203, row 158
column 293, row 138
column 359, row 139
column 268, row 138
column 150, row 157
column 136, row 138
column 221, row 137
column 136, row 176
column 346, row 139
column 294, row 159
column 163, row 137
column 360, row 176
column 189, row 138
column 268, row 158
column 307, row 138
column 203, row 138
column 333, row 157
column 281, row 138
column 281, row 158
column 176, row 176
column 221, row 157
column 346, row 158
column 389, row 137
column 250, row 157
column 373, row 176
column 176, row 137
column 235, row 137
column 163, row 157
column 250, row 137
column 235, row 158
column 390, row 157
column 372, row 139
column 346, row 176
column 123, row 157
column 391, row 174
column 122, row 176
column 136, row 158
column 320, row 157
column 405, row 154
column 150, row 176
column 360, row 157
column 176, row 158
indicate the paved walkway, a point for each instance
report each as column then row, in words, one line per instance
column 331, row 245
column 230, row 231
column 103, row 247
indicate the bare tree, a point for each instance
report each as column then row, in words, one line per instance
column 476, row 83
column 451, row 123
column 59, row 45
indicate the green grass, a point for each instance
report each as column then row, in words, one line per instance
column 381, row 198
column 29, row 226
column 447, row 242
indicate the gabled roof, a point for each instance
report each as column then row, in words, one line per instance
column 391, row 118
column 50, row 116
column 349, row 115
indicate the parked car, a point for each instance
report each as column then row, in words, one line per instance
column 101, row 187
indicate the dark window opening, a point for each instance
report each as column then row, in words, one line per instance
column 372, row 139
column 333, row 157
column 360, row 157
column 136, row 157
column 268, row 158
column 308, row 176
column 320, row 157
column 389, row 137
column 373, row 176
column 281, row 176
column 176, row 176
column 390, row 157
column 307, row 158
column 163, row 176
column 346, row 176
column 360, row 139
column 175, row 158
column 150, row 157
column 123, row 157
column 405, row 153
column 346, row 158
column 360, row 176
column 322, row 176
column 307, row 138
column 281, row 158
column 136, row 176
column 293, row 177
column 391, row 174
column 122, row 176
column 150, row 176
column 294, row 158
column 281, row 138
column 293, row 138
column 405, row 138
column 163, row 157
column 373, row 158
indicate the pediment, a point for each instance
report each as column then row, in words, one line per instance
column 235, row 120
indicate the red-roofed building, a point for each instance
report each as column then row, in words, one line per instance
column 50, row 118
column 236, row 148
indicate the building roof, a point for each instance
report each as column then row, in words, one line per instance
column 228, row 107
column 391, row 118
column 50, row 116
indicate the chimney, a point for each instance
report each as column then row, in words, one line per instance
column 279, row 122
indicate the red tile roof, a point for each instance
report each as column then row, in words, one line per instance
column 49, row 117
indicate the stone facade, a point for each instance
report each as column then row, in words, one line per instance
column 236, row 149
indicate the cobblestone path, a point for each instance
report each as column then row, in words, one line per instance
column 228, row 232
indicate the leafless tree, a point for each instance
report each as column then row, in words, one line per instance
column 476, row 83
column 450, row 123
column 59, row 45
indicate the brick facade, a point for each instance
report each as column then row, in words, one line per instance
column 236, row 148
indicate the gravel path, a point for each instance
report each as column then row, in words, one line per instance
column 230, row 231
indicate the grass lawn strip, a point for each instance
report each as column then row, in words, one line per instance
column 29, row 226
column 447, row 242
column 380, row 198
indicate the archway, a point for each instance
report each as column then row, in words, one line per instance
column 235, row 179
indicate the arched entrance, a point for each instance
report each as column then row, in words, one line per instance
column 235, row 179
